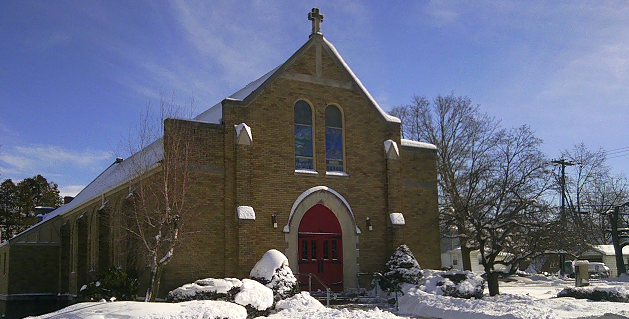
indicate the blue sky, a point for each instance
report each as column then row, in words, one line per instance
column 76, row 75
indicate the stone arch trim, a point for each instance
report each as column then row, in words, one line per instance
column 343, row 212
column 317, row 195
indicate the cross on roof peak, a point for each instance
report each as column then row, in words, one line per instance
column 316, row 19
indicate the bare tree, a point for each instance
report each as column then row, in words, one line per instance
column 513, row 223
column 160, row 182
column 464, row 138
column 493, row 183
column 591, row 191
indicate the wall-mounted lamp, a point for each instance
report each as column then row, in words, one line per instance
column 369, row 226
column 274, row 221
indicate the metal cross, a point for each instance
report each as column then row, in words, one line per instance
column 316, row 19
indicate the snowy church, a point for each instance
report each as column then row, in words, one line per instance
column 302, row 160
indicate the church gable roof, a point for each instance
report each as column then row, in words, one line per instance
column 318, row 62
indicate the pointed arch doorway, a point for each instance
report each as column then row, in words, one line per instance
column 320, row 245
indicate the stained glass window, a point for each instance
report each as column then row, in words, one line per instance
column 333, row 139
column 303, row 136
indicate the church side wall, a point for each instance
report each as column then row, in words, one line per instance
column 419, row 205
column 33, row 268
column 201, row 253
column 4, row 263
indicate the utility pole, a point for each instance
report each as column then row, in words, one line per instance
column 563, row 163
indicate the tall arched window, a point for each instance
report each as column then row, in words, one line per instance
column 333, row 139
column 303, row 136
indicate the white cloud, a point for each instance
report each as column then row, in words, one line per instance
column 25, row 161
column 70, row 190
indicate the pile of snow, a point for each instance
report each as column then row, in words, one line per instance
column 303, row 306
column 301, row 301
column 274, row 272
column 455, row 283
column 401, row 268
column 206, row 309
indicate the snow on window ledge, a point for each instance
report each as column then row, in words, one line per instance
column 341, row 174
column 245, row 213
column 397, row 219
column 306, row 172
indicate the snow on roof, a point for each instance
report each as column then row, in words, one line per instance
column 115, row 175
column 242, row 94
column 608, row 250
column 212, row 115
column 411, row 143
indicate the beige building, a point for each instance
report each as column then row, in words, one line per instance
column 606, row 255
column 302, row 160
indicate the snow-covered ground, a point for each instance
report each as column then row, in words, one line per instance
column 525, row 298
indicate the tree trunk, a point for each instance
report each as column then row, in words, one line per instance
column 613, row 219
column 154, row 282
column 492, row 283
column 465, row 256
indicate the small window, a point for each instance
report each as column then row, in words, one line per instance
column 333, row 139
column 314, row 250
column 335, row 255
column 304, row 155
column 455, row 261
column 326, row 254
column 304, row 249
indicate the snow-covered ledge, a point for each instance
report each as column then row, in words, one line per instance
column 243, row 134
column 411, row 143
column 391, row 150
column 245, row 213
column 397, row 219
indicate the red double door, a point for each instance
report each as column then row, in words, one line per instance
column 321, row 249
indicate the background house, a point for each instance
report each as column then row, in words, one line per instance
column 606, row 255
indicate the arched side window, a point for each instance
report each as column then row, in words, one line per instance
column 333, row 139
column 304, row 155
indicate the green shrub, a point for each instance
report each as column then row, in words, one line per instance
column 111, row 283
column 401, row 268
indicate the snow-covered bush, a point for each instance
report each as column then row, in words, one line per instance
column 255, row 297
column 463, row 284
column 615, row 294
column 206, row 289
column 454, row 283
column 401, row 268
column 111, row 284
column 274, row 272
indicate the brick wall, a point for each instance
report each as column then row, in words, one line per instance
column 33, row 269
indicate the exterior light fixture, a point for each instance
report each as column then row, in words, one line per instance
column 369, row 226
column 274, row 221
